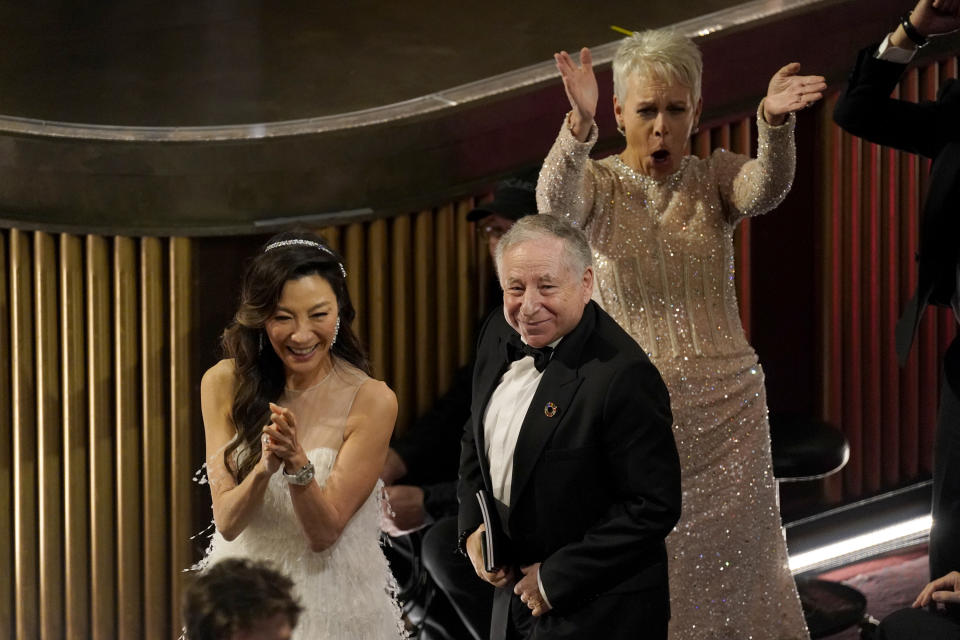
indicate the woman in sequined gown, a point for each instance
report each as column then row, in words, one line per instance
column 661, row 224
column 296, row 434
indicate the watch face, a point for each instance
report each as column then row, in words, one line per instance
column 303, row 476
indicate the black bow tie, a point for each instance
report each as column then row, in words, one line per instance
column 517, row 349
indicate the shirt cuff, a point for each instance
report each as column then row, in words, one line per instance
column 543, row 593
column 890, row 53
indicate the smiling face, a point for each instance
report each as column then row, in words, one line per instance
column 302, row 329
column 658, row 117
column 543, row 298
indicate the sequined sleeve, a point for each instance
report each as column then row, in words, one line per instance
column 750, row 187
column 567, row 183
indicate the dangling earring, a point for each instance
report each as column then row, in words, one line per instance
column 260, row 349
column 336, row 331
column 620, row 128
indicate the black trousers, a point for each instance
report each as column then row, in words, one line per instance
column 945, row 535
column 917, row 624
column 454, row 575
column 622, row 616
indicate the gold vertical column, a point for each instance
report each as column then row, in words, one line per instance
column 424, row 286
column 402, row 314
column 153, row 338
column 100, row 418
column 75, row 473
column 330, row 235
column 50, row 432
column 23, row 394
column 181, row 416
column 467, row 279
column 7, row 626
column 445, row 302
column 355, row 262
column 378, row 301
column 128, row 451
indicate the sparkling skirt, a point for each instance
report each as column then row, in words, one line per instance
column 727, row 555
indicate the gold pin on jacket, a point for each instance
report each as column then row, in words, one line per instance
column 550, row 410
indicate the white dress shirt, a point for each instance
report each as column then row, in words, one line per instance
column 891, row 53
column 502, row 420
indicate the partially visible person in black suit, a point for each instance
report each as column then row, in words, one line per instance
column 571, row 434
column 421, row 467
column 908, row 624
column 931, row 129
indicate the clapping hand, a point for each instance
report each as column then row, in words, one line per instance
column 945, row 589
column 790, row 92
column 581, row 87
column 280, row 438
column 269, row 460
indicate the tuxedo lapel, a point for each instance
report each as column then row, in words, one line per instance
column 906, row 329
column 488, row 377
column 550, row 403
column 547, row 410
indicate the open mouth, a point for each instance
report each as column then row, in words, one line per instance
column 660, row 155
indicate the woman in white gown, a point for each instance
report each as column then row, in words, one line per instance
column 661, row 223
column 296, row 434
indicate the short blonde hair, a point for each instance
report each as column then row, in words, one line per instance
column 660, row 53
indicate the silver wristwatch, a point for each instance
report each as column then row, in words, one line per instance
column 301, row 477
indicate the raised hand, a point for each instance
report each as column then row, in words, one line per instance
column 790, row 92
column 936, row 17
column 581, row 87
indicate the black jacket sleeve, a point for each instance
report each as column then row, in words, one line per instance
column 641, row 453
column 866, row 109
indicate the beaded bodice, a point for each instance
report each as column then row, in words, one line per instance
column 663, row 250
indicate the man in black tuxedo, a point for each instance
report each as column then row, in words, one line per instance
column 931, row 129
column 422, row 465
column 571, row 433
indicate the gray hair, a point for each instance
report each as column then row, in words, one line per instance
column 576, row 249
column 660, row 53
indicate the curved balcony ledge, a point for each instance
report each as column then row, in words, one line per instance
column 373, row 162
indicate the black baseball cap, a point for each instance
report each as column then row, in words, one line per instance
column 513, row 198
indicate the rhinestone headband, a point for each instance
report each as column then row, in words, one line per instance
column 304, row 243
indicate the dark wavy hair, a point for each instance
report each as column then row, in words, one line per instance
column 258, row 367
column 232, row 596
